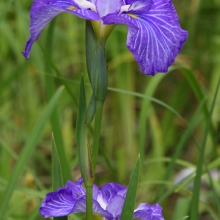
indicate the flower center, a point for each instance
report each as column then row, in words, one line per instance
column 102, row 31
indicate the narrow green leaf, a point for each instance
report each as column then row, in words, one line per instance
column 126, row 113
column 158, row 150
column 91, row 110
column 194, row 121
column 183, row 218
column 150, row 90
column 91, row 46
column 194, row 212
column 194, row 83
column 99, row 77
column 55, row 122
column 80, row 124
column 96, row 135
column 84, row 151
column 59, row 75
column 181, row 209
column 27, row 151
column 157, row 101
column 128, row 208
column 57, row 176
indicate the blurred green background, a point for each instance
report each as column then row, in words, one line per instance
column 163, row 117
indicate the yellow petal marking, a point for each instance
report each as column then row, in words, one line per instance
column 71, row 8
column 132, row 15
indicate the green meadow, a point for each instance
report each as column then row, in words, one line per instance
column 171, row 119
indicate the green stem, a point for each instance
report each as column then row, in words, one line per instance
column 88, row 202
column 97, row 129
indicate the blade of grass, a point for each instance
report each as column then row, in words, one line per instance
column 157, row 142
column 196, row 87
column 181, row 90
column 57, row 175
column 27, row 151
column 194, row 212
column 193, row 122
column 151, row 87
column 59, row 75
column 181, row 208
column 13, row 155
column 128, row 208
column 150, row 90
column 55, row 122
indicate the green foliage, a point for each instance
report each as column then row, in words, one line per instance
column 162, row 117
column 127, row 211
column 57, row 175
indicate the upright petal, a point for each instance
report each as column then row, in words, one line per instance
column 108, row 191
column 105, row 7
column 115, row 206
column 43, row 11
column 77, row 190
column 154, row 34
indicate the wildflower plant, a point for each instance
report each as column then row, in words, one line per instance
column 108, row 201
column 154, row 38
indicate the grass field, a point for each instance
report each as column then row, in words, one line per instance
column 172, row 120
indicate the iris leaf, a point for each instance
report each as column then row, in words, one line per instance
column 57, row 176
column 128, row 208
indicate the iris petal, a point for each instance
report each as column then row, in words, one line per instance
column 77, row 190
column 115, row 206
column 43, row 11
column 80, row 206
column 146, row 212
column 154, row 36
column 58, row 203
column 105, row 7
column 72, row 199
column 62, row 202
column 108, row 191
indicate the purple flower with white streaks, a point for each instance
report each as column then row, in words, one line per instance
column 154, row 34
column 108, row 202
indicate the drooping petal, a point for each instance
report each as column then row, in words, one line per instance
column 154, row 35
column 80, row 206
column 58, row 203
column 147, row 212
column 62, row 202
column 43, row 11
column 105, row 7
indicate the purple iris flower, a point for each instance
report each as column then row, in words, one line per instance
column 108, row 202
column 154, row 34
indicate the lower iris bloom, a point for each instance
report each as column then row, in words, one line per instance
column 154, row 34
column 108, row 202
